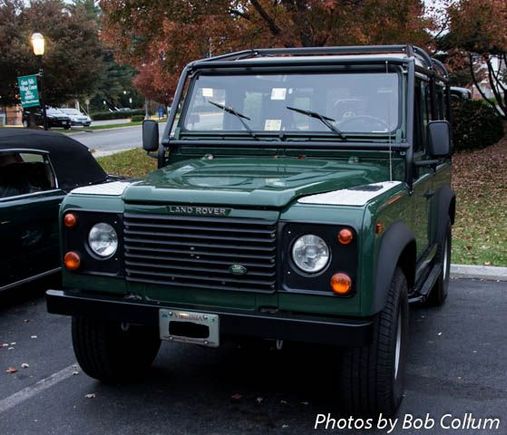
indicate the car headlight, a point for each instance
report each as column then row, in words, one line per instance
column 310, row 253
column 103, row 240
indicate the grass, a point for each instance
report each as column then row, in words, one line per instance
column 108, row 126
column 132, row 163
column 480, row 183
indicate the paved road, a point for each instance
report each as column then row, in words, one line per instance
column 119, row 138
column 456, row 365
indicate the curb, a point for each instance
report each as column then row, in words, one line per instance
column 490, row 273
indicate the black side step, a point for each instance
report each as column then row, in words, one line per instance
column 422, row 294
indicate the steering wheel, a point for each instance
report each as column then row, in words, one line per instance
column 380, row 121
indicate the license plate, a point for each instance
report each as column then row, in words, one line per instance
column 190, row 327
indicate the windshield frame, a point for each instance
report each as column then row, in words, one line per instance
column 177, row 131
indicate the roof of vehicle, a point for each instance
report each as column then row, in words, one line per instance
column 330, row 55
column 73, row 163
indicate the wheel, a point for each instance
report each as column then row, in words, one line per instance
column 372, row 375
column 438, row 293
column 66, row 127
column 113, row 352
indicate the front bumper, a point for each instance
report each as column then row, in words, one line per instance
column 278, row 325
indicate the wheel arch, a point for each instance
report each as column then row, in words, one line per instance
column 398, row 248
column 445, row 210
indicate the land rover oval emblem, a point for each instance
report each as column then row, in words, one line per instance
column 238, row 269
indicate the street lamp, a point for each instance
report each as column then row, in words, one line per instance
column 39, row 45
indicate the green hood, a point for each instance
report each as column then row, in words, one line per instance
column 257, row 182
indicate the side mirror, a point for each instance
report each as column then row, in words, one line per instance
column 439, row 139
column 150, row 135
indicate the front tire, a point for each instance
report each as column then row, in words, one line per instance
column 373, row 375
column 112, row 352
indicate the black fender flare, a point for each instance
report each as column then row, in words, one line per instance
column 445, row 205
column 397, row 246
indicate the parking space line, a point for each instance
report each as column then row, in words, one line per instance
column 33, row 390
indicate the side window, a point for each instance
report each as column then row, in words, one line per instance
column 24, row 173
column 421, row 114
column 441, row 103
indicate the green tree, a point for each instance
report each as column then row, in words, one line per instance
column 73, row 59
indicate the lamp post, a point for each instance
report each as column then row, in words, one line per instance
column 38, row 44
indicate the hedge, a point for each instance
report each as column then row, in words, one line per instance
column 102, row 116
column 475, row 125
column 137, row 118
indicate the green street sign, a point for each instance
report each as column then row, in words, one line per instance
column 28, row 91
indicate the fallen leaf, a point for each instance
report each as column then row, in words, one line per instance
column 236, row 397
column 33, row 336
column 90, row 396
column 259, row 400
column 11, row 370
column 25, row 365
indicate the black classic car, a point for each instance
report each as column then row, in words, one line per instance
column 55, row 118
column 37, row 169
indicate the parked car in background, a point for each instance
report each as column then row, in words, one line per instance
column 77, row 117
column 55, row 118
column 37, row 169
column 458, row 93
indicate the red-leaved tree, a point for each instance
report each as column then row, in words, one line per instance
column 159, row 38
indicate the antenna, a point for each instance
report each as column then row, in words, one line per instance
column 388, row 128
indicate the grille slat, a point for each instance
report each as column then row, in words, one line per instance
column 171, row 235
column 198, row 252
column 200, row 259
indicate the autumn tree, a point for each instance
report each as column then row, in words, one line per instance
column 159, row 38
column 477, row 41
column 73, row 59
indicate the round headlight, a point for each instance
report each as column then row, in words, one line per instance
column 310, row 253
column 103, row 240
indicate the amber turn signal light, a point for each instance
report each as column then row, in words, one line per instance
column 345, row 236
column 70, row 220
column 71, row 260
column 341, row 283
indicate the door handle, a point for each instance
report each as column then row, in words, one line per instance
column 429, row 194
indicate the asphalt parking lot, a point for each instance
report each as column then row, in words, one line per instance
column 456, row 366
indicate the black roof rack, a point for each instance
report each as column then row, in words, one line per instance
column 410, row 51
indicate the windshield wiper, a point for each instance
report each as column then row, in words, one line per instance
column 324, row 119
column 237, row 114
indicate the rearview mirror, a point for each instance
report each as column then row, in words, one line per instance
column 150, row 135
column 439, row 139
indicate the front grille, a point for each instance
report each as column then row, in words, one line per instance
column 198, row 252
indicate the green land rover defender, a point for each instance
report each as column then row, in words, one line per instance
column 302, row 194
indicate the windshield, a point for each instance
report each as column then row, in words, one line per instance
column 71, row 111
column 334, row 103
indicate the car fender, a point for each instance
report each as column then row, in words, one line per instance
column 397, row 246
column 445, row 207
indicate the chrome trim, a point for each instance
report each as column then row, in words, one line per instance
column 25, row 195
column 31, row 278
